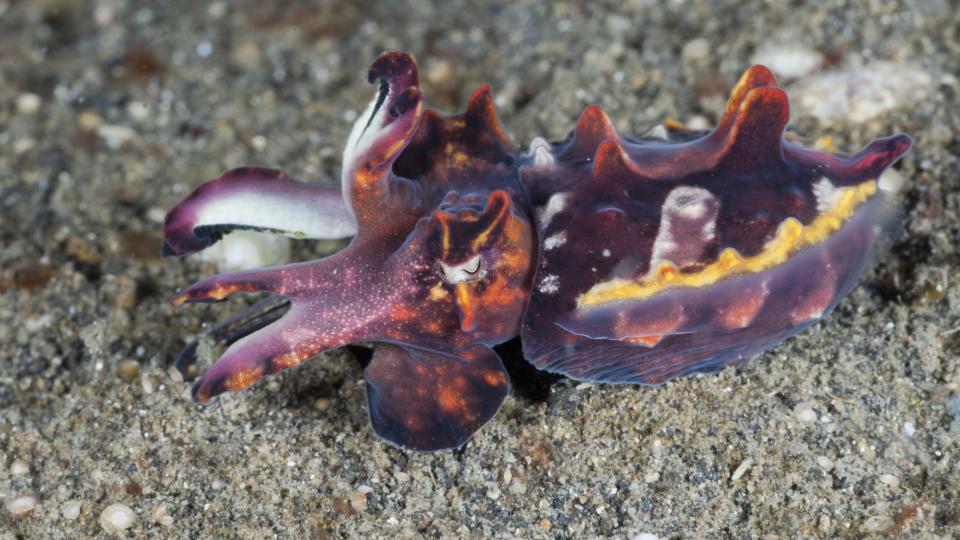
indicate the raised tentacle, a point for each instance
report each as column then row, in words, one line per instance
column 373, row 194
column 428, row 400
column 260, row 199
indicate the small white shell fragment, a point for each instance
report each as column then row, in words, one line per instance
column 892, row 181
column 28, row 103
column 696, row 50
column 658, row 131
column 117, row 518
column 858, row 93
column 19, row 467
column 70, row 510
column 875, row 524
column 890, row 480
column 138, row 110
column 175, row 375
column 697, row 122
column 23, row 145
column 146, row 382
column 156, row 214
column 741, row 470
column 359, row 499
column 159, row 515
column 115, row 135
column 804, row 414
column 22, row 506
column 788, row 60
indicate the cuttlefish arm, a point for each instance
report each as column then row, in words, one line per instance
column 371, row 199
column 433, row 380
column 259, row 199
column 333, row 301
column 336, row 300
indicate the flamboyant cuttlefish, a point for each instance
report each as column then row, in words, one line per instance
column 616, row 259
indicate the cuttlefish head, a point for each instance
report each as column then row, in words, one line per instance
column 475, row 255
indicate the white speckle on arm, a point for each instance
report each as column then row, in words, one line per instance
column 550, row 284
column 554, row 241
column 556, row 204
column 541, row 152
column 825, row 193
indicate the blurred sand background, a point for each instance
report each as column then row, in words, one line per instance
column 110, row 112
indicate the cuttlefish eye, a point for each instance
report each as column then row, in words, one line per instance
column 465, row 271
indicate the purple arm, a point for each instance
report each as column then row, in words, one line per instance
column 259, row 199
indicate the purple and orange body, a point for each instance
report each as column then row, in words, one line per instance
column 615, row 259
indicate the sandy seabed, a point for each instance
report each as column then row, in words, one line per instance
column 110, row 112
